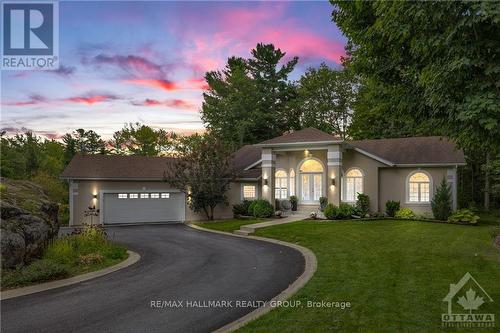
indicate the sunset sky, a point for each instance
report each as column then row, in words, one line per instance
column 145, row 61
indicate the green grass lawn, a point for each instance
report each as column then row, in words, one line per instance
column 394, row 273
column 228, row 225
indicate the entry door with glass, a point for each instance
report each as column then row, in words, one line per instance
column 311, row 188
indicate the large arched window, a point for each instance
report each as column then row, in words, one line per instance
column 311, row 180
column 281, row 185
column 292, row 182
column 418, row 187
column 353, row 184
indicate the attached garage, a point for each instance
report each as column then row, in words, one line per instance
column 142, row 207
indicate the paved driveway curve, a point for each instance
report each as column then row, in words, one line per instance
column 177, row 264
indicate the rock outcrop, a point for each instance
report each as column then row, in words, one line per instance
column 28, row 222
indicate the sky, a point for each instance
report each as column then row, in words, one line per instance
column 144, row 62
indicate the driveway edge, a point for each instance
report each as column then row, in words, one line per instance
column 133, row 257
column 309, row 270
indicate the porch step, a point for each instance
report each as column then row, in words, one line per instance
column 241, row 232
column 250, row 230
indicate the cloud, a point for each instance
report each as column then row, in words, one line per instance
column 33, row 99
column 11, row 131
column 157, row 83
column 131, row 64
column 90, row 98
column 64, row 71
column 172, row 103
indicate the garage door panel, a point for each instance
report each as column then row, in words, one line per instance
column 137, row 210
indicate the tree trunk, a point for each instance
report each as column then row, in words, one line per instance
column 206, row 212
column 211, row 212
column 487, row 182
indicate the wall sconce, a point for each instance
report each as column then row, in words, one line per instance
column 266, row 182
column 94, row 196
column 333, row 182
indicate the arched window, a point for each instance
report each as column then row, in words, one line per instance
column 281, row 185
column 292, row 182
column 311, row 166
column 353, row 184
column 418, row 187
column 311, row 180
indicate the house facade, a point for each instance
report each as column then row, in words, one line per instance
column 308, row 164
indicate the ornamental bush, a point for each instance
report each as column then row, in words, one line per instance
column 323, row 201
column 441, row 203
column 391, row 207
column 262, row 208
column 345, row 211
column 363, row 204
column 463, row 215
column 404, row 213
column 330, row 211
column 242, row 208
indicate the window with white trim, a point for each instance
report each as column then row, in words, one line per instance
column 281, row 184
column 155, row 195
column 122, row 195
column 419, row 185
column 353, row 184
column 144, row 195
column 165, row 195
column 249, row 192
column 133, row 195
column 292, row 182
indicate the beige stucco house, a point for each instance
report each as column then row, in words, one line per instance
column 307, row 163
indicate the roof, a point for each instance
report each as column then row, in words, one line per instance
column 305, row 135
column 412, row 151
column 116, row 167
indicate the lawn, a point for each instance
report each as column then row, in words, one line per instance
column 65, row 257
column 394, row 273
column 228, row 225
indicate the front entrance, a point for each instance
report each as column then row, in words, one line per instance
column 311, row 187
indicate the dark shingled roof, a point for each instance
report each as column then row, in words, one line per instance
column 306, row 135
column 116, row 167
column 417, row 150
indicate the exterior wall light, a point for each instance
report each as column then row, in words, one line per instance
column 333, row 181
column 266, row 182
column 94, row 196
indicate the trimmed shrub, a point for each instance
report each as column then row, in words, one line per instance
column 363, row 204
column 262, row 208
column 391, row 207
column 330, row 211
column 294, row 200
column 463, row 215
column 404, row 213
column 242, row 208
column 323, row 201
column 345, row 211
column 441, row 203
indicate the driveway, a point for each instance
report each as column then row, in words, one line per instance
column 177, row 263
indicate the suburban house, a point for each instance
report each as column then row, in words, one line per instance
column 308, row 164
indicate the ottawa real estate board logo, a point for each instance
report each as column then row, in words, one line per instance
column 30, row 35
column 464, row 300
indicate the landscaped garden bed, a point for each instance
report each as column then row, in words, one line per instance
column 86, row 251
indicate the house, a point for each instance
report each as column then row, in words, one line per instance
column 308, row 164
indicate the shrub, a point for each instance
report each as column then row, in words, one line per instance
column 91, row 259
column 294, row 201
column 363, row 204
column 441, row 203
column 262, row 208
column 251, row 207
column 242, row 208
column 330, row 211
column 323, row 201
column 404, row 213
column 38, row 271
column 345, row 211
column 391, row 207
column 463, row 215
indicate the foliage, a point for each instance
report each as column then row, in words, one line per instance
column 242, row 208
column 323, row 201
column 203, row 170
column 247, row 102
column 404, row 213
column 441, row 202
column 464, row 215
column 363, row 204
column 331, row 211
column 345, row 211
column 324, row 99
column 262, row 208
column 38, row 271
column 140, row 139
column 294, row 201
column 391, row 207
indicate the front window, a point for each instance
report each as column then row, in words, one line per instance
column 281, row 185
column 249, row 192
column 353, row 185
column 419, row 187
column 144, row 195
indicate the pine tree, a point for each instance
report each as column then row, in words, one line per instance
column 441, row 203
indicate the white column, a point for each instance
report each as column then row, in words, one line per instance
column 334, row 173
column 451, row 178
column 268, row 170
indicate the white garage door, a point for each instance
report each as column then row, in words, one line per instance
column 133, row 207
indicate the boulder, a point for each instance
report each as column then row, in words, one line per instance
column 28, row 222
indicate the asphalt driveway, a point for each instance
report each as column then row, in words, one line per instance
column 177, row 263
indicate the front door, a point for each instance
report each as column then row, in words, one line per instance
column 311, row 187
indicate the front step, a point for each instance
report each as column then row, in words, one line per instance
column 247, row 229
column 241, row 232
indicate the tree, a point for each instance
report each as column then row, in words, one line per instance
column 247, row 101
column 324, row 99
column 139, row 139
column 441, row 202
column 435, row 62
column 83, row 142
column 203, row 170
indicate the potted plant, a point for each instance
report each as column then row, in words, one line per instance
column 294, row 201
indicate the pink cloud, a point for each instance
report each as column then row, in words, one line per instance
column 157, row 83
column 173, row 103
column 130, row 63
column 90, row 99
column 32, row 100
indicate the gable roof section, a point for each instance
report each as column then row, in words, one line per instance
column 307, row 135
column 432, row 150
column 116, row 167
